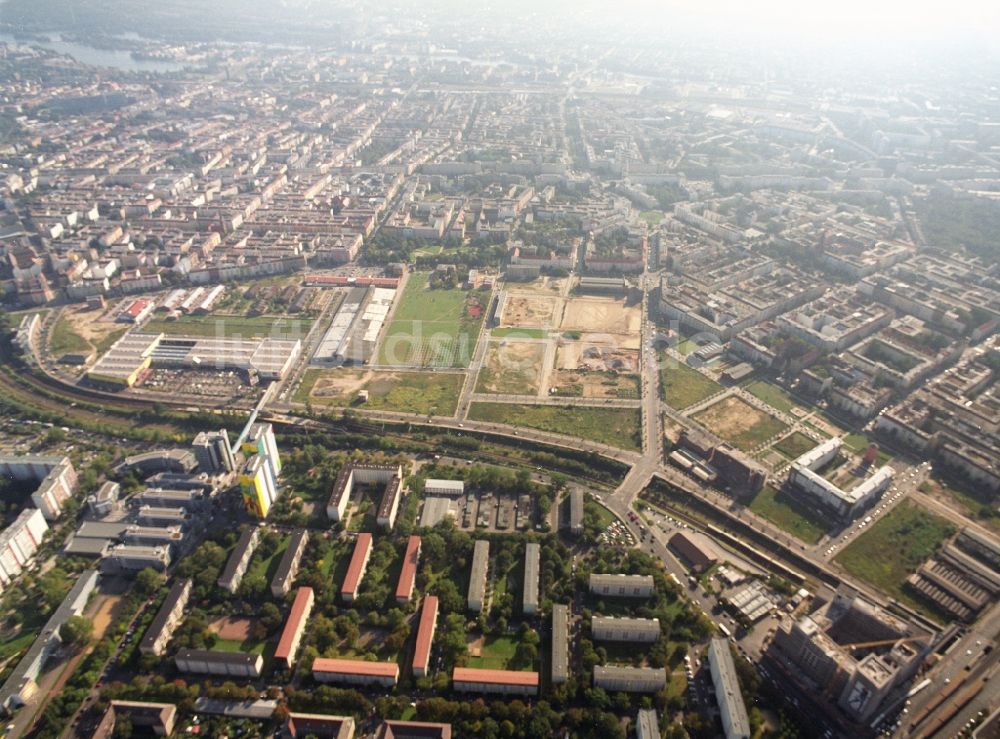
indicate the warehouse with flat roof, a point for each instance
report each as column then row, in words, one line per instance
column 356, row 569
column 477, row 575
column 444, row 487
column 532, row 560
column 504, row 682
column 355, row 672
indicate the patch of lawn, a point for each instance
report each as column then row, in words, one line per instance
column 496, row 653
column 858, row 443
column 404, row 392
column 773, row 395
column 235, row 645
column 602, row 515
column 973, row 503
column 612, row 426
column 788, row 514
column 105, row 343
column 739, row 423
column 512, row 332
column 652, row 217
column 894, row 547
column 684, row 387
column 266, row 566
column 431, row 328
column 259, row 327
column 64, row 340
column 795, row 445
column 21, row 641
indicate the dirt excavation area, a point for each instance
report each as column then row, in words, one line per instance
column 530, row 311
column 601, row 316
column 232, row 629
column 512, row 368
column 341, row 383
column 594, row 357
column 595, row 385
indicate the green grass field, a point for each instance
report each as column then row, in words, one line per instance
column 894, row 547
column 683, row 386
column 773, row 395
column 64, row 340
column 235, row 645
column 505, row 332
column 975, row 504
column 652, row 217
column 266, row 566
column 430, row 328
column 794, row 445
column 617, row 427
column 787, row 514
column 404, row 392
column 233, row 326
column 858, row 443
column 496, row 653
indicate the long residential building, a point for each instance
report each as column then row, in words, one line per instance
column 640, row 630
column 356, row 568
column 388, row 507
column 239, row 560
column 20, row 685
column 320, row 725
column 19, row 542
column 727, row 690
column 288, row 568
column 504, row 682
column 622, row 586
column 477, row 576
column 355, row 672
column 224, row 664
column 560, row 643
column 295, row 625
column 532, row 559
column 358, row 474
column 408, row 573
column 425, row 636
column 167, row 619
column 56, row 478
column 630, row 679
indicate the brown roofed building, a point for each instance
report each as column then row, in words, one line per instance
column 320, row 725
column 697, row 549
column 413, row 730
column 356, row 569
column 291, row 635
column 408, row 574
column 472, row 680
column 355, row 672
column 425, row 636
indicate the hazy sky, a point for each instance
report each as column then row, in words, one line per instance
column 867, row 19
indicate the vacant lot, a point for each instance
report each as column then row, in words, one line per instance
column 601, row 316
column 683, row 386
column 894, row 547
column 512, row 368
column 79, row 330
column 773, row 395
column 978, row 505
column 595, row 385
column 795, row 445
column 597, row 356
column 612, row 426
column 233, row 327
column 523, row 311
column 788, row 514
column 432, row 328
column 404, row 392
column 739, row 423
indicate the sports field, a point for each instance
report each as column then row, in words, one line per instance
column 433, row 328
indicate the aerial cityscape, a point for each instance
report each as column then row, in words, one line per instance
column 402, row 370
